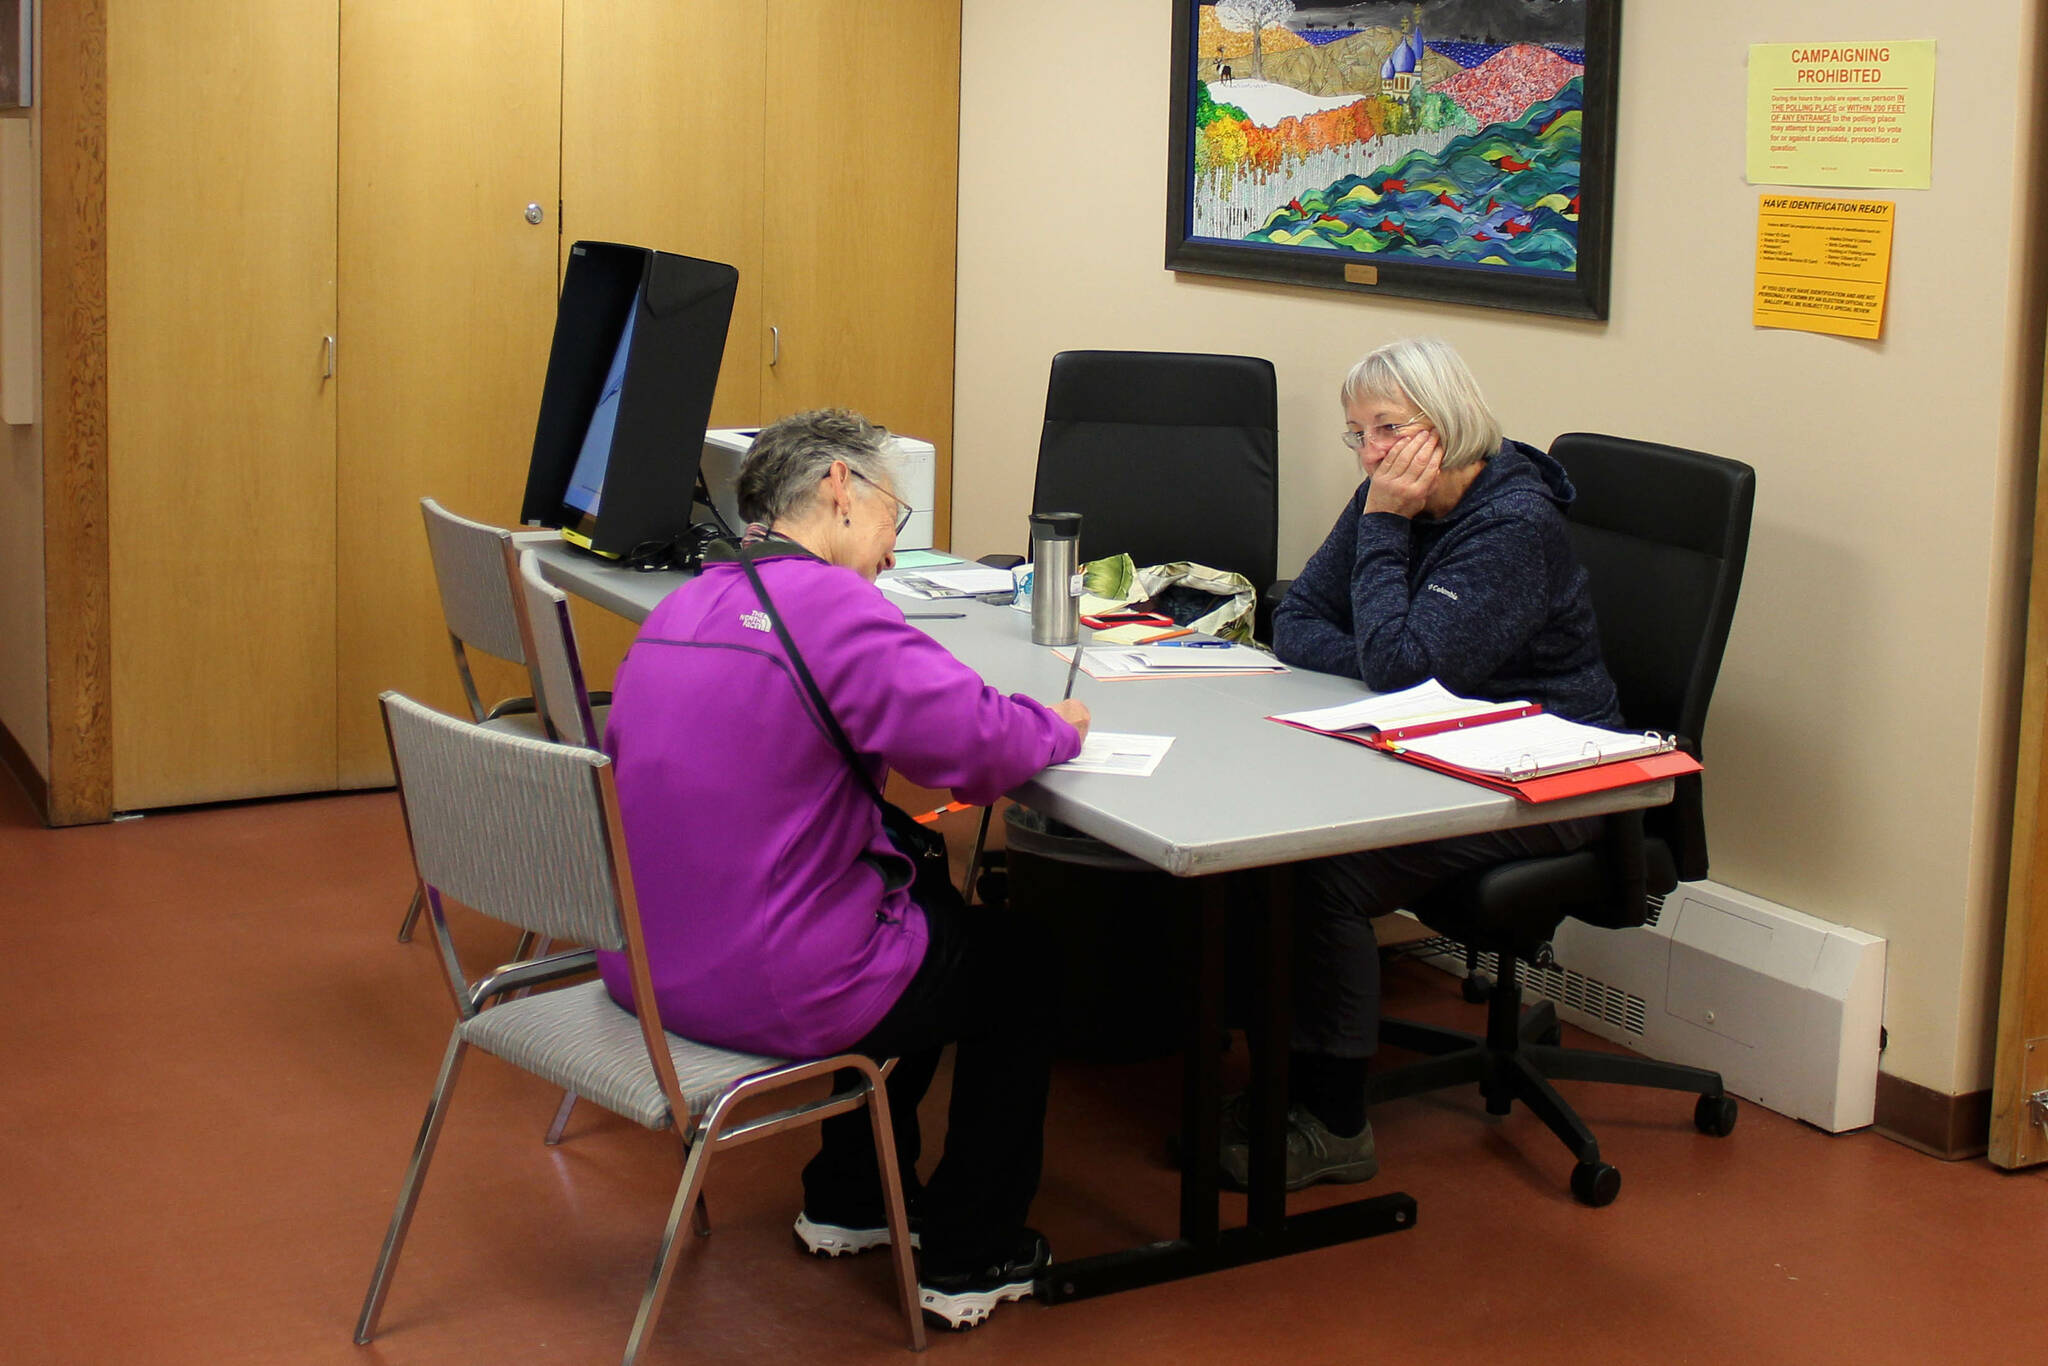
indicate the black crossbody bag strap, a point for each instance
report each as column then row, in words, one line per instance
column 930, row 879
column 803, row 673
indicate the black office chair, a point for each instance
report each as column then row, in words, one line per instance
column 1167, row 456
column 1663, row 533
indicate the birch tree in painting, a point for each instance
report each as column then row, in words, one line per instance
column 1254, row 17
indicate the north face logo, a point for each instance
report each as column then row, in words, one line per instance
column 756, row 620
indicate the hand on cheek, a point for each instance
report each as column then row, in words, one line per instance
column 1407, row 476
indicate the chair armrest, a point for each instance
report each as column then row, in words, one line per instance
column 511, row 706
column 1682, row 825
column 601, row 698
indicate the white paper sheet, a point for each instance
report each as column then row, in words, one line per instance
column 1134, row 756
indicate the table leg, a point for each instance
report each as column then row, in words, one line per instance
column 1201, row 1094
column 1269, row 1037
column 1203, row 1245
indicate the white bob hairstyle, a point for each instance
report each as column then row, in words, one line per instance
column 1430, row 374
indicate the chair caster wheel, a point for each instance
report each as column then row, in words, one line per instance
column 1714, row 1115
column 1477, row 989
column 1552, row 1037
column 1595, row 1184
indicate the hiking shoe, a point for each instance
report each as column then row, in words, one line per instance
column 965, row 1299
column 821, row 1239
column 1313, row 1154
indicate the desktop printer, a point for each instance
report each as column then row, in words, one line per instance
column 917, row 467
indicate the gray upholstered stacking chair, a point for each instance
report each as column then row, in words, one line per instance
column 471, row 570
column 526, row 832
column 550, row 639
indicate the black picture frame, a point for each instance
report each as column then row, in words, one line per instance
column 1399, row 255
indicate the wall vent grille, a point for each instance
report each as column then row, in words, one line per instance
column 1573, row 990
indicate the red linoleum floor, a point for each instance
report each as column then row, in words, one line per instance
column 216, row 1057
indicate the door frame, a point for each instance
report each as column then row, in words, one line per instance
column 73, row 94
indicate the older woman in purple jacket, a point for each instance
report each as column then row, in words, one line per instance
column 778, row 917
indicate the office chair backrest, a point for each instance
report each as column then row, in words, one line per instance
column 1663, row 533
column 1166, row 455
column 517, row 828
column 551, row 645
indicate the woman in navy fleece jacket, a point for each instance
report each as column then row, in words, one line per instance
column 1451, row 561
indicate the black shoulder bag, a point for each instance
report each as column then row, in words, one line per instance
column 931, row 880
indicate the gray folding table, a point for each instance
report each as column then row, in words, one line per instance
column 1235, row 793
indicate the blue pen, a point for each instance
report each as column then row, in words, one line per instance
column 1198, row 644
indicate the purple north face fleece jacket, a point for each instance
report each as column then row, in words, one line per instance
column 753, row 845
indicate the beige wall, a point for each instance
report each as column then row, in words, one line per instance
column 24, row 693
column 1894, row 477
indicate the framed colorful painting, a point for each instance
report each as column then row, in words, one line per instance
column 1449, row 149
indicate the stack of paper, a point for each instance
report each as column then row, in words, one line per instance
column 1429, row 705
column 1114, row 663
column 965, row 581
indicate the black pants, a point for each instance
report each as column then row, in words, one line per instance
column 985, row 985
column 1337, row 961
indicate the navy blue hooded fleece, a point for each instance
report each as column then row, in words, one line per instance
column 1489, row 600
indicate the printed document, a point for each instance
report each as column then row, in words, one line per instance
column 1427, row 701
column 1134, row 756
column 1532, row 746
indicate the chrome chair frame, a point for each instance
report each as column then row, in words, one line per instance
column 701, row 1133
column 548, row 632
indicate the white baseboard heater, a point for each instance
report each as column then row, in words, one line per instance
column 1786, row 1007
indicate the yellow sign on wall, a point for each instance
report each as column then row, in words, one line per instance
column 1822, row 265
column 1848, row 114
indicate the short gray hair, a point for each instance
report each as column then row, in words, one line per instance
column 1429, row 373
column 783, row 467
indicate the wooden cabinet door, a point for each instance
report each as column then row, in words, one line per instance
column 662, row 147
column 859, row 214
column 220, row 498
column 450, row 128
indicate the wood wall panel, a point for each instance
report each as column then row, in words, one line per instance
column 450, row 126
column 220, row 288
column 659, row 153
column 860, row 214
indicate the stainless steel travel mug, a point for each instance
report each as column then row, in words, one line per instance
column 1055, row 562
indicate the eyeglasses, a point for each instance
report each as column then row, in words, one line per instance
column 903, row 517
column 1385, row 431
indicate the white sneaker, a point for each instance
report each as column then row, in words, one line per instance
column 836, row 1240
column 962, row 1301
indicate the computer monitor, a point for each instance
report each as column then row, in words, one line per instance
column 639, row 337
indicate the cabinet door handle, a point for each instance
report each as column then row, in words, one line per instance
column 775, row 344
column 327, row 364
